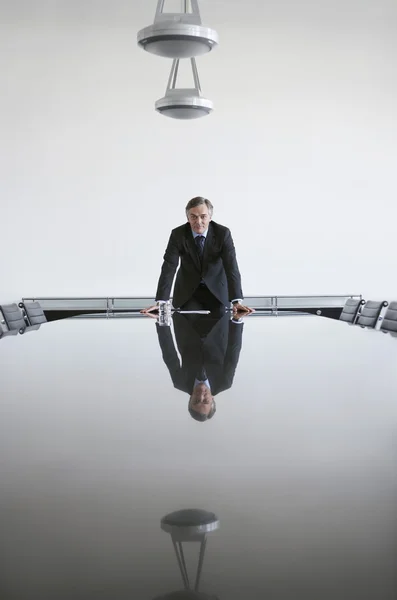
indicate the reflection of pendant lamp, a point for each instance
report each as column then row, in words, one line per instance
column 178, row 35
column 184, row 103
column 189, row 525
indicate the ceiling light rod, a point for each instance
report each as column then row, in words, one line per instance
column 195, row 75
column 186, row 4
column 174, row 75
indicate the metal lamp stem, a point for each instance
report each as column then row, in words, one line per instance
column 195, row 74
column 160, row 7
column 173, row 75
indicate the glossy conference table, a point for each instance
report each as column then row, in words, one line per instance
column 298, row 463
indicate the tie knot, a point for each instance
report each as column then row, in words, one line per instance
column 200, row 239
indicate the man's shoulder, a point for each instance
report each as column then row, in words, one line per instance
column 218, row 228
column 180, row 230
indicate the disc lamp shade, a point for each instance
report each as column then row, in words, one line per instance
column 177, row 35
column 184, row 103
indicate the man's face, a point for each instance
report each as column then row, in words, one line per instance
column 199, row 218
column 201, row 399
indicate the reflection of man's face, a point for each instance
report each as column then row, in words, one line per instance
column 199, row 218
column 201, row 399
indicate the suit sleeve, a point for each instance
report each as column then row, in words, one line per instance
column 170, row 265
column 170, row 355
column 233, row 352
column 231, row 267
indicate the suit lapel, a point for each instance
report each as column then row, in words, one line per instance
column 215, row 376
column 191, row 246
column 210, row 240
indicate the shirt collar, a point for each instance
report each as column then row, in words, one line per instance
column 206, row 381
column 204, row 234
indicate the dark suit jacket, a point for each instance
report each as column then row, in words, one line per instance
column 219, row 270
column 218, row 353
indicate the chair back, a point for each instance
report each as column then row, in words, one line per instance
column 13, row 317
column 350, row 310
column 34, row 313
column 370, row 313
column 389, row 322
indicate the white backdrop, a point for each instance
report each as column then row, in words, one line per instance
column 299, row 159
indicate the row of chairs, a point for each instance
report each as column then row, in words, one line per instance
column 371, row 314
column 20, row 318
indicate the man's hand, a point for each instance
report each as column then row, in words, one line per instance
column 149, row 310
column 240, row 309
column 152, row 315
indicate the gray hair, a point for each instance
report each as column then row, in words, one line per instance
column 198, row 201
column 199, row 417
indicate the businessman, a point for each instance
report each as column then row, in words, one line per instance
column 208, row 277
column 209, row 348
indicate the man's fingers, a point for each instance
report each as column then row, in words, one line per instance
column 148, row 310
column 248, row 309
column 241, row 308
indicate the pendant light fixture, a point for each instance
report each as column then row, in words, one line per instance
column 190, row 525
column 184, row 103
column 178, row 35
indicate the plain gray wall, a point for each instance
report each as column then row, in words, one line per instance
column 299, row 159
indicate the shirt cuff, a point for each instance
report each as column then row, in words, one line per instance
column 237, row 321
column 237, row 300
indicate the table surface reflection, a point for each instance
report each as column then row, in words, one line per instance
column 298, row 463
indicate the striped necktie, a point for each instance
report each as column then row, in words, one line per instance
column 201, row 374
column 200, row 239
